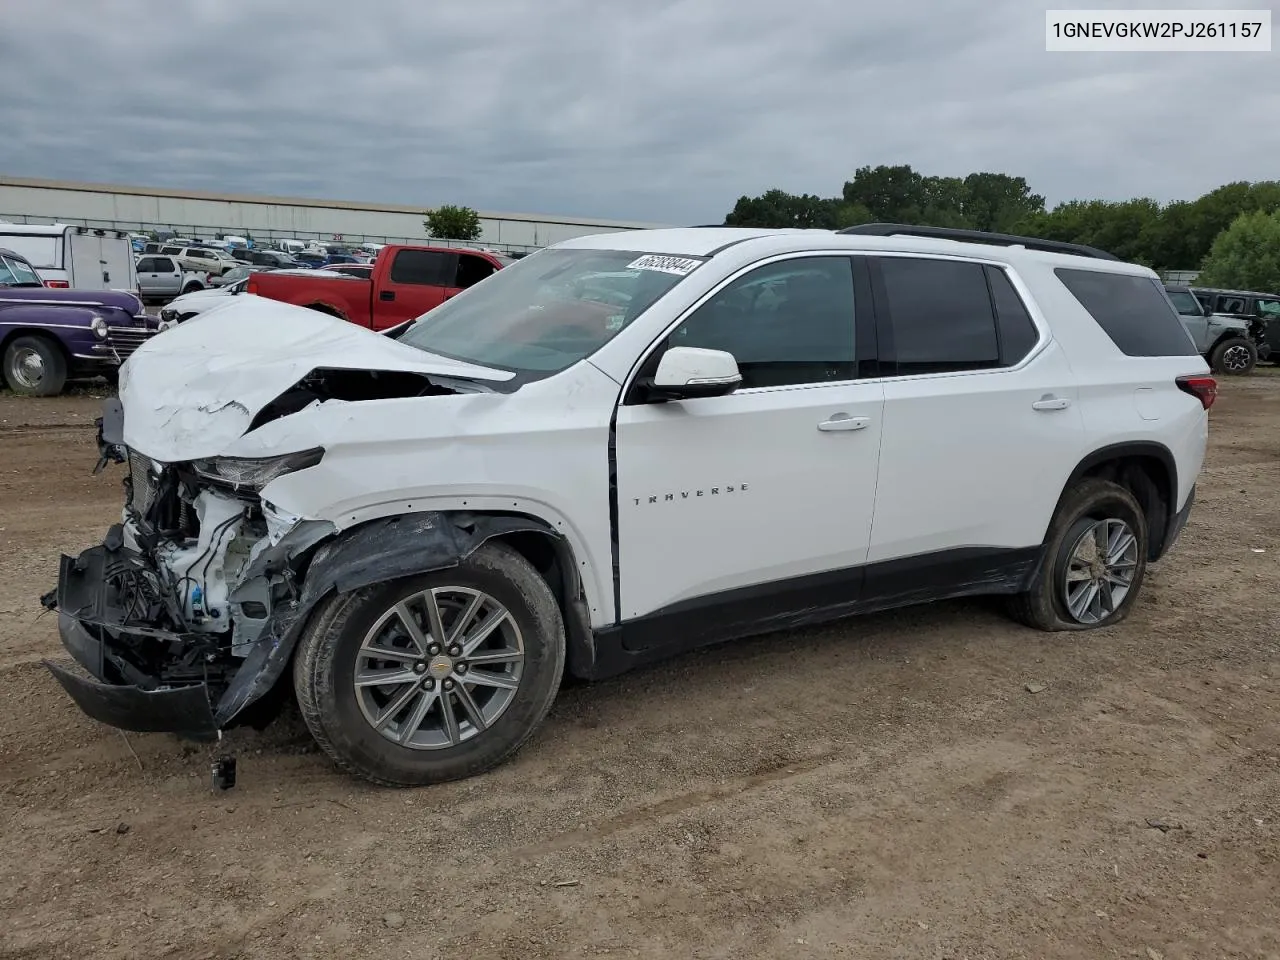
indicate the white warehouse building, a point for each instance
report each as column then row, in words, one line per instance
column 204, row 215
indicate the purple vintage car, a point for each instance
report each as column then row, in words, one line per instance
column 48, row 337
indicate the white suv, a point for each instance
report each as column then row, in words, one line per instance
column 619, row 448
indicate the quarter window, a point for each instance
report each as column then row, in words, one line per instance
column 790, row 322
column 941, row 315
column 1018, row 334
column 1132, row 310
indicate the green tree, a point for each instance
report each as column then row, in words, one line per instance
column 1246, row 255
column 776, row 209
column 451, row 222
column 997, row 201
column 891, row 194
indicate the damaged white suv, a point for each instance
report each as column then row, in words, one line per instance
column 621, row 447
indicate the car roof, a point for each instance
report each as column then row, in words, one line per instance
column 1234, row 293
column 709, row 241
column 35, row 229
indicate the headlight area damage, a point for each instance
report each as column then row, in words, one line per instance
column 175, row 615
column 188, row 612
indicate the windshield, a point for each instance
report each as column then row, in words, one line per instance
column 549, row 310
column 1186, row 304
column 15, row 273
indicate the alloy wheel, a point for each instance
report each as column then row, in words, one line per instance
column 1235, row 359
column 439, row 668
column 1100, row 571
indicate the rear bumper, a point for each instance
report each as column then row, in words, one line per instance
column 1179, row 523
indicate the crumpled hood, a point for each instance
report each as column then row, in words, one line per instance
column 191, row 391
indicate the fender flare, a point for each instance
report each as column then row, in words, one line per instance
column 374, row 552
column 322, row 306
column 1163, row 507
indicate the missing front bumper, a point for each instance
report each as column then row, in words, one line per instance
column 89, row 613
column 181, row 710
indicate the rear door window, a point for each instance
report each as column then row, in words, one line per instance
column 148, row 265
column 422, row 267
column 1133, row 311
column 941, row 315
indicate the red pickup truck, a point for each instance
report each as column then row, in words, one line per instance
column 406, row 283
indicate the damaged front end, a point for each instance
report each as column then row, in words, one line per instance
column 176, row 614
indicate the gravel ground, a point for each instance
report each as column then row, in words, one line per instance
column 886, row 787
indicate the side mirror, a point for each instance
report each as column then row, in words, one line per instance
column 686, row 373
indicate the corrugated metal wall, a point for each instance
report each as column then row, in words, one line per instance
column 192, row 212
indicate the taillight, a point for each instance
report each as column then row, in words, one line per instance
column 1204, row 389
column 251, row 286
column 58, row 284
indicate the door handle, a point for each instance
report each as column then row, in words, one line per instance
column 842, row 421
column 1050, row 402
column 387, row 295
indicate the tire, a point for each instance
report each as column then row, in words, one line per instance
column 1045, row 605
column 1234, row 357
column 192, row 287
column 35, row 367
column 342, row 719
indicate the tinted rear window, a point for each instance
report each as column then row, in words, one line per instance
column 1133, row 311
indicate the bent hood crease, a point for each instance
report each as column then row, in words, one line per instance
column 194, row 389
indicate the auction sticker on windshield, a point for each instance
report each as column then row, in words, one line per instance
column 680, row 266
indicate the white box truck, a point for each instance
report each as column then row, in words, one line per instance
column 86, row 258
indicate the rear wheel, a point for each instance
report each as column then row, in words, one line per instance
column 1094, row 561
column 35, row 367
column 192, row 288
column 436, row 677
column 1234, row 357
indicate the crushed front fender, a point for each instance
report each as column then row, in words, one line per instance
column 372, row 553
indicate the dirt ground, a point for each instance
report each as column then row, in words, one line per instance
column 887, row 787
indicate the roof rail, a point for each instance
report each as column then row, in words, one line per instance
column 977, row 236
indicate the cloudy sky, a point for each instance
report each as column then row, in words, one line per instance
column 661, row 110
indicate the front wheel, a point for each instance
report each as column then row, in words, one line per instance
column 1094, row 561
column 1236, row 356
column 436, row 677
column 35, row 367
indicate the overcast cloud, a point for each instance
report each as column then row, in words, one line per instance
column 662, row 110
